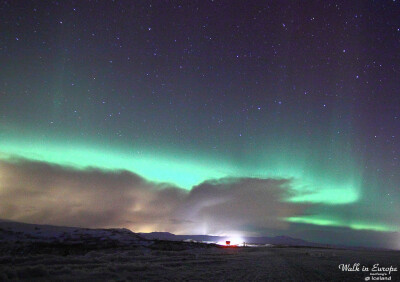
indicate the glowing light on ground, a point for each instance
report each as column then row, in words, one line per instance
column 234, row 241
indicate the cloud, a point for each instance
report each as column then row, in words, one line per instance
column 42, row 193
column 38, row 192
column 236, row 204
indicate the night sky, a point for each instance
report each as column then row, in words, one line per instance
column 203, row 117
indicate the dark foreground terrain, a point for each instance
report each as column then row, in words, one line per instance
column 45, row 253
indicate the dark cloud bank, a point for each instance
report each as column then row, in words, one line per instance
column 37, row 192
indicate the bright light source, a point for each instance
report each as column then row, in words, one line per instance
column 234, row 241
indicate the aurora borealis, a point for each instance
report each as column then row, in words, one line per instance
column 292, row 108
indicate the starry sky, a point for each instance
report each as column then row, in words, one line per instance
column 203, row 117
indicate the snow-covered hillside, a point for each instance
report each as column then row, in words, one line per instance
column 16, row 231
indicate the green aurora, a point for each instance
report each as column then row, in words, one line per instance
column 207, row 91
column 188, row 171
column 310, row 185
column 332, row 221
